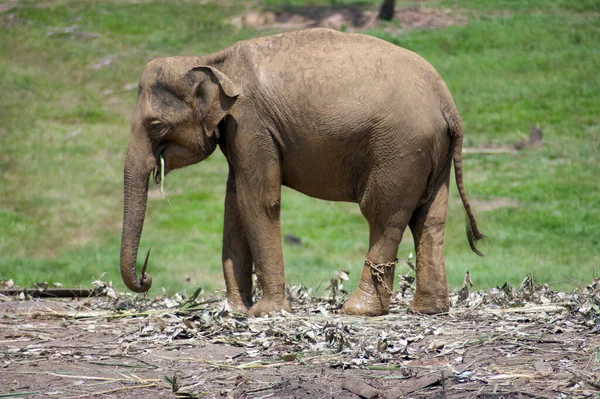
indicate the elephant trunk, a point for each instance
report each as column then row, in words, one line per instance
column 139, row 163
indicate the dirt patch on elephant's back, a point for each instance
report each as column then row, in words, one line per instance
column 346, row 18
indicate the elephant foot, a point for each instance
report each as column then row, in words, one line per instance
column 237, row 307
column 372, row 297
column 266, row 306
column 430, row 304
column 238, row 304
column 366, row 304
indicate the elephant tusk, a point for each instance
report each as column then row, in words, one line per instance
column 162, row 178
column 162, row 175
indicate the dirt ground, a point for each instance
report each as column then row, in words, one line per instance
column 351, row 18
column 503, row 343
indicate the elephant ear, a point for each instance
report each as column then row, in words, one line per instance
column 214, row 94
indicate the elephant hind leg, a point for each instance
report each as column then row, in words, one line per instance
column 427, row 225
column 372, row 297
column 387, row 224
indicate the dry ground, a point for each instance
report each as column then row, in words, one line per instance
column 350, row 18
column 504, row 343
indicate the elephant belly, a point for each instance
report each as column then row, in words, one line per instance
column 324, row 177
column 322, row 190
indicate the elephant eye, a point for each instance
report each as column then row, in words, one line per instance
column 157, row 129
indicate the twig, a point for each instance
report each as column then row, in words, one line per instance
column 359, row 387
column 468, row 367
column 528, row 376
column 19, row 394
column 386, row 377
column 384, row 368
column 111, row 391
column 53, row 292
column 506, row 394
column 554, row 307
column 196, row 360
column 500, row 150
column 443, row 385
column 584, row 377
column 415, row 385
column 135, row 366
column 264, row 388
column 78, row 315
column 259, row 364
column 84, row 377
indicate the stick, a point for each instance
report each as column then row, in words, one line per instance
column 111, row 391
column 53, row 292
column 415, row 385
column 500, row 150
column 18, row 394
column 360, row 388
column 385, row 368
column 133, row 366
column 85, row 377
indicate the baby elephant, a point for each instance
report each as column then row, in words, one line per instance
column 337, row 116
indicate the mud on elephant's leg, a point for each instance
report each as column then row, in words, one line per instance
column 427, row 226
column 237, row 257
column 372, row 297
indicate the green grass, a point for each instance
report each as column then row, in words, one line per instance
column 64, row 131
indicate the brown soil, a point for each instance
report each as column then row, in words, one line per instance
column 504, row 343
column 348, row 18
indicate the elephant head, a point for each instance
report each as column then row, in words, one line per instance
column 179, row 105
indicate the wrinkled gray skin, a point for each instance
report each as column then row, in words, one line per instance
column 336, row 116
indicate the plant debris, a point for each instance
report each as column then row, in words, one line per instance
column 528, row 341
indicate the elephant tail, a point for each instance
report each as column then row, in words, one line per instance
column 455, row 129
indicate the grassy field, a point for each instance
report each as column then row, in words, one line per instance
column 68, row 76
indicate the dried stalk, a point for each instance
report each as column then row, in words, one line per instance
column 53, row 292
column 111, row 391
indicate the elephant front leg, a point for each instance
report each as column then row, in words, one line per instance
column 237, row 257
column 427, row 225
column 259, row 197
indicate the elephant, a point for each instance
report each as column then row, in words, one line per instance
column 336, row 116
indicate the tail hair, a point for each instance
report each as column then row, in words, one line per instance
column 474, row 237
